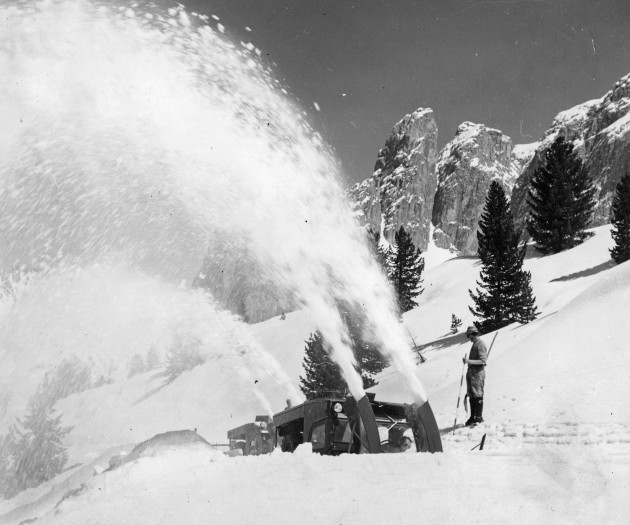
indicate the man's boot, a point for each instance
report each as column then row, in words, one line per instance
column 472, row 404
column 478, row 410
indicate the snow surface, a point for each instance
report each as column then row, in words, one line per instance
column 527, row 151
column 556, row 409
column 620, row 127
column 575, row 115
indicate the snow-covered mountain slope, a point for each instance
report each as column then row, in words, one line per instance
column 556, row 410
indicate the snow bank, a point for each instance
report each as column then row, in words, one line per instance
column 196, row 486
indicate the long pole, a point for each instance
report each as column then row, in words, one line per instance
column 492, row 344
column 461, row 384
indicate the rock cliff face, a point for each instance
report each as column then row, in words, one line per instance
column 239, row 284
column 466, row 166
column 402, row 188
column 600, row 132
column 522, row 155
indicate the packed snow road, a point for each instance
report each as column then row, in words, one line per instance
column 612, row 436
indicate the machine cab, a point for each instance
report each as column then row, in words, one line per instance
column 252, row 439
column 337, row 425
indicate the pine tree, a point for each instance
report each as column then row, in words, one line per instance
column 561, row 200
column 524, row 307
column 504, row 295
column 407, row 266
column 456, row 322
column 369, row 359
column 8, row 453
column 70, row 376
column 41, row 455
column 321, row 374
column 370, row 363
column 182, row 357
column 621, row 221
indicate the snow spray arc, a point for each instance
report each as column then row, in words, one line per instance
column 132, row 136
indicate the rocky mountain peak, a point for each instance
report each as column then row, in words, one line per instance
column 621, row 90
column 466, row 166
column 400, row 191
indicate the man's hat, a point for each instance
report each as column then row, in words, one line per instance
column 472, row 330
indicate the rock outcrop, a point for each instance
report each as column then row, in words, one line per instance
column 600, row 132
column 402, row 188
column 240, row 284
column 466, row 166
column 522, row 155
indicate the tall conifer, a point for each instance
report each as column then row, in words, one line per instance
column 321, row 374
column 504, row 295
column 41, row 454
column 406, row 266
column 621, row 221
column 561, row 200
column 369, row 360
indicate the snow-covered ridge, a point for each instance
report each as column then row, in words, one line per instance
column 574, row 118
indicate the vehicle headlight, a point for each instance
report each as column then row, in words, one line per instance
column 337, row 407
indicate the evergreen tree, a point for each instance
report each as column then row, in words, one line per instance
column 153, row 360
column 561, row 200
column 40, row 452
column 524, row 302
column 456, row 322
column 621, row 221
column 407, row 266
column 8, row 454
column 321, row 374
column 182, row 357
column 369, row 360
column 505, row 295
column 69, row 377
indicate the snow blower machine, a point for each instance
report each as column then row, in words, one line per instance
column 337, row 425
column 252, row 439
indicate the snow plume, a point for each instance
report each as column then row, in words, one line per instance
column 105, row 313
column 133, row 136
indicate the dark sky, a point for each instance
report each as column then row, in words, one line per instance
column 509, row 64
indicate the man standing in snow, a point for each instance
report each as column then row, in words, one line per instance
column 476, row 375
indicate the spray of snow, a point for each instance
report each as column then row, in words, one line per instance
column 132, row 137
